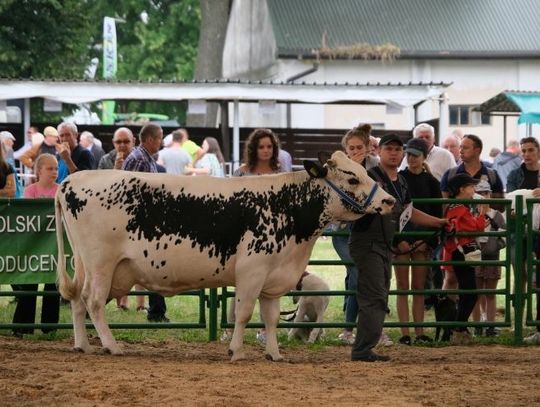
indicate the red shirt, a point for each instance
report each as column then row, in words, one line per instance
column 462, row 220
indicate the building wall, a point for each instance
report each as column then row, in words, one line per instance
column 250, row 48
column 474, row 82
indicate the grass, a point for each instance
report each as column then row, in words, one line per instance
column 185, row 309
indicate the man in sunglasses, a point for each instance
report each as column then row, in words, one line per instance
column 123, row 142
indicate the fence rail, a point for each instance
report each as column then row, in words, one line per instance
column 212, row 299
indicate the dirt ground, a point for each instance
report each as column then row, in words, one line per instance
column 49, row 373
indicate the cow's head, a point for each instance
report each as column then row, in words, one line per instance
column 355, row 192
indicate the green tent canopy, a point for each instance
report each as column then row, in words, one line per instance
column 529, row 104
column 524, row 103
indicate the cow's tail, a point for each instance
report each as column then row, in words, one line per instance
column 66, row 286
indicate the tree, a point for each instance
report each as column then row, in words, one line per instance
column 56, row 39
column 163, row 47
column 44, row 39
column 209, row 65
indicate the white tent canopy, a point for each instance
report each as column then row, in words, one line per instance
column 77, row 92
column 236, row 91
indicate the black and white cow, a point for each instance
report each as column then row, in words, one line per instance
column 171, row 234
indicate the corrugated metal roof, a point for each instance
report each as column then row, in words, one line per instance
column 229, row 81
column 420, row 28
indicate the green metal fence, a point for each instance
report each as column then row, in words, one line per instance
column 211, row 300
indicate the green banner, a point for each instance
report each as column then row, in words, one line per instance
column 28, row 250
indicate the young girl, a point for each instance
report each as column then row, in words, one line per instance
column 46, row 170
column 461, row 186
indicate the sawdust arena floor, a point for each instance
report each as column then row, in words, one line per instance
column 49, row 373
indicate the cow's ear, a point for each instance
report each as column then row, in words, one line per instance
column 315, row 170
column 323, row 156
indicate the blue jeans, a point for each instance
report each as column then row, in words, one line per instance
column 341, row 245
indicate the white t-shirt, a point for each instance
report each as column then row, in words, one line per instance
column 174, row 160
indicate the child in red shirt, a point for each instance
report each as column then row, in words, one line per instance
column 461, row 186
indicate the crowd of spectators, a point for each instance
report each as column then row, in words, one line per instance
column 418, row 169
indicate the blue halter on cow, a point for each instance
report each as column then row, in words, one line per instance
column 171, row 234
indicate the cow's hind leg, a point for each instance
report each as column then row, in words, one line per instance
column 95, row 293
column 78, row 312
column 270, row 316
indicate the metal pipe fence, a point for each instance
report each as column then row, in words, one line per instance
column 517, row 235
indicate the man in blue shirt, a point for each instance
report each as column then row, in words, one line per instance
column 469, row 151
column 72, row 156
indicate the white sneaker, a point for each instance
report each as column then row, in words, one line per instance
column 347, row 337
column 385, row 340
column 533, row 339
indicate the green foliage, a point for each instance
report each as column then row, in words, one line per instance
column 56, row 39
column 163, row 48
column 44, row 38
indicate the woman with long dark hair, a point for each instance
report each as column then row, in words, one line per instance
column 260, row 154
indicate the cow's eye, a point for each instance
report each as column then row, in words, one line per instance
column 353, row 181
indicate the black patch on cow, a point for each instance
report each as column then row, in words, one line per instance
column 213, row 223
column 74, row 204
column 218, row 224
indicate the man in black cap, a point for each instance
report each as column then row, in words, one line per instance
column 370, row 247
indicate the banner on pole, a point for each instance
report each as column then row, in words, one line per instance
column 28, row 249
column 110, row 65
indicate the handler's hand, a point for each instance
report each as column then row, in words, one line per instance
column 443, row 223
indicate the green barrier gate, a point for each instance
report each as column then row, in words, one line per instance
column 28, row 255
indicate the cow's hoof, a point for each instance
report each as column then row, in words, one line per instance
column 236, row 356
column 84, row 348
column 109, row 351
column 277, row 358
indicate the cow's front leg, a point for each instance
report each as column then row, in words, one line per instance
column 270, row 316
column 243, row 310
